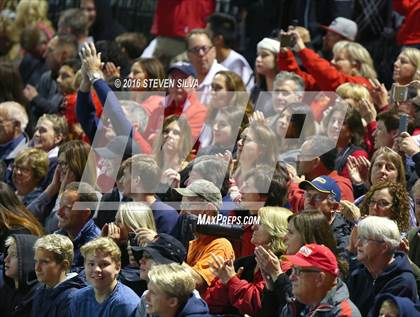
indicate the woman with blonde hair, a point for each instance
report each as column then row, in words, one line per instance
column 407, row 66
column 351, row 63
column 238, row 285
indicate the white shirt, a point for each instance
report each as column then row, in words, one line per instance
column 204, row 88
column 236, row 63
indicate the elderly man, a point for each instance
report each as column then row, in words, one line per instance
column 384, row 270
column 203, row 198
column 324, row 195
column 13, row 121
column 202, row 55
column 316, row 285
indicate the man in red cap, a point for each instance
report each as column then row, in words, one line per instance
column 315, row 284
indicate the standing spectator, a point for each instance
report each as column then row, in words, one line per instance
column 18, row 291
column 53, row 258
column 46, row 97
column 408, row 34
column 75, row 22
column 132, row 44
column 173, row 21
column 407, row 66
column 102, row 26
column 105, row 296
column 222, row 28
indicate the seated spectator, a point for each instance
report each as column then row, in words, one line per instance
column 53, row 259
column 12, row 86
column 77, row 205
column 347, row 128
column 222, row 28
column 390, row 305
column 75, row 161
column 351, row 63
column 141, row 176
column 30, row 169
column 15, row 218
column 132, row 44
column 132, row 217
column 315, row 283
column 202, row 55
column 230, row 293
column 164, row 249
column 229, row 93
column 390, row 200
column 202, row 197
column 51, row 131
column 324, row 195
column 384, row 269
column 20, row 281
column 266, row 70
column 13, row 120
column 303, row 228
column 170, row 292
column 105, row 296
column 317, row 157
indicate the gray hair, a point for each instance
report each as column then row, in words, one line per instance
column 15, row 111
column 211, row 168
column 283, row 76
column 380, row 229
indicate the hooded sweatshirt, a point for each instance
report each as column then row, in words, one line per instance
column 18, row 302
column 397, row 279
column 405, row 306
column 54, row 302
column 194, row 307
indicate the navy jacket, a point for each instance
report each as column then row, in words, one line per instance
column 194, row 307
column 54, row 302
column 89, row 232
column 405, row 306
column 397, row 279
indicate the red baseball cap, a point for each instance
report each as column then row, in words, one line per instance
column 315, row 255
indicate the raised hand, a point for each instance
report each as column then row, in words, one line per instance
column 379, row 94
column 222, row 268
column 367, row 110
column 407, row 144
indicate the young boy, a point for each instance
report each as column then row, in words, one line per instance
column 53, row 259
column 105, row 297
column 170, row 292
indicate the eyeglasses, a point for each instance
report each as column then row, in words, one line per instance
column 298, row 271
column 197, row 50
column 381, row 203
column 21, row 169
column 318, row 197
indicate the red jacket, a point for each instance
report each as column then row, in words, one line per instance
column 179, row 17
column 295, row 194
column 409, row 32
column 241, row 294
column 321, row 75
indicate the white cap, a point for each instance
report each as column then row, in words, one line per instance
column 344, row 27
column 269, row 44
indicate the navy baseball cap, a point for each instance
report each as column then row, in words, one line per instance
column 164, row 249
column 323, row 184
column 183, row 67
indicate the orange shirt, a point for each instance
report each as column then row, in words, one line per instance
column 199, row 254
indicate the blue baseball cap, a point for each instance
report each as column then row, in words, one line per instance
column 183, row 67
column 323, row 184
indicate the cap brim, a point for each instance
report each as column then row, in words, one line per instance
column 155, row 255
column 296, row 261
column 326, row 28
column 186, row 192
column 306, row 184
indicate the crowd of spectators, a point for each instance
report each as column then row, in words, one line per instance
column 223, row 158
